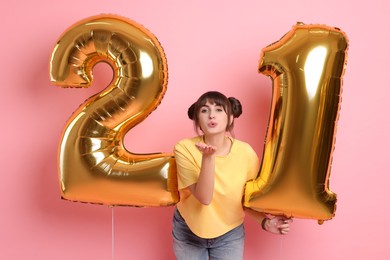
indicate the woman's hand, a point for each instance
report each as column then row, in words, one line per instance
column 277, row 225
column 206, row 149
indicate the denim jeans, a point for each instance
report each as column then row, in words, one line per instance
column 188, row 246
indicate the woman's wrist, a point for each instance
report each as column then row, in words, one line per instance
column 263, row 222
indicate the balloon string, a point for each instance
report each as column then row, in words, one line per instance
column 281, row 247
column 112, row 233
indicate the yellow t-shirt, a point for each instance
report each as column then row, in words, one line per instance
column 232, row 171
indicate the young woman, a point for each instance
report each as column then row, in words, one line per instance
column 213, row 168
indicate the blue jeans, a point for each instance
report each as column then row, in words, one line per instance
column 188, row 246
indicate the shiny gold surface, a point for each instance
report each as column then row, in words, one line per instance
column 306, row 67
column 94, row 165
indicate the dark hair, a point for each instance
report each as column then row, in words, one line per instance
column 231, row 105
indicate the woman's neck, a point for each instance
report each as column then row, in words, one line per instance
column 221, row 142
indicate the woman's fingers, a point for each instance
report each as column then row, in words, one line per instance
column 204, row 148
column 280, row 225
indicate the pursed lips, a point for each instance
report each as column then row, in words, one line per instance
column 212, row 124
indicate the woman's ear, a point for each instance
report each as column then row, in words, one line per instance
column 231, row 121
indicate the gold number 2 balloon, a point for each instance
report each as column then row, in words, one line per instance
column 306, row 67
column 94, row 165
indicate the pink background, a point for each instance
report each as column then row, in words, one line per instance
column 209, row 45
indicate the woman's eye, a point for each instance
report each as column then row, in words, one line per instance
column 204, row 110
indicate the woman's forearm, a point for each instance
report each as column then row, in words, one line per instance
column 203, row 190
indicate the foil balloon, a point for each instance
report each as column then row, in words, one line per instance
column 94, row 165
column 306, row 67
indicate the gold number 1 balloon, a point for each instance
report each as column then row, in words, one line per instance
column 306, row 67
column 94, row 165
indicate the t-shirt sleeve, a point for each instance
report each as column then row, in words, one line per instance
column 187, row 168
column 254, row 164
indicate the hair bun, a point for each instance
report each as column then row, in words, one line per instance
column 191, row 111
column 236, row 107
